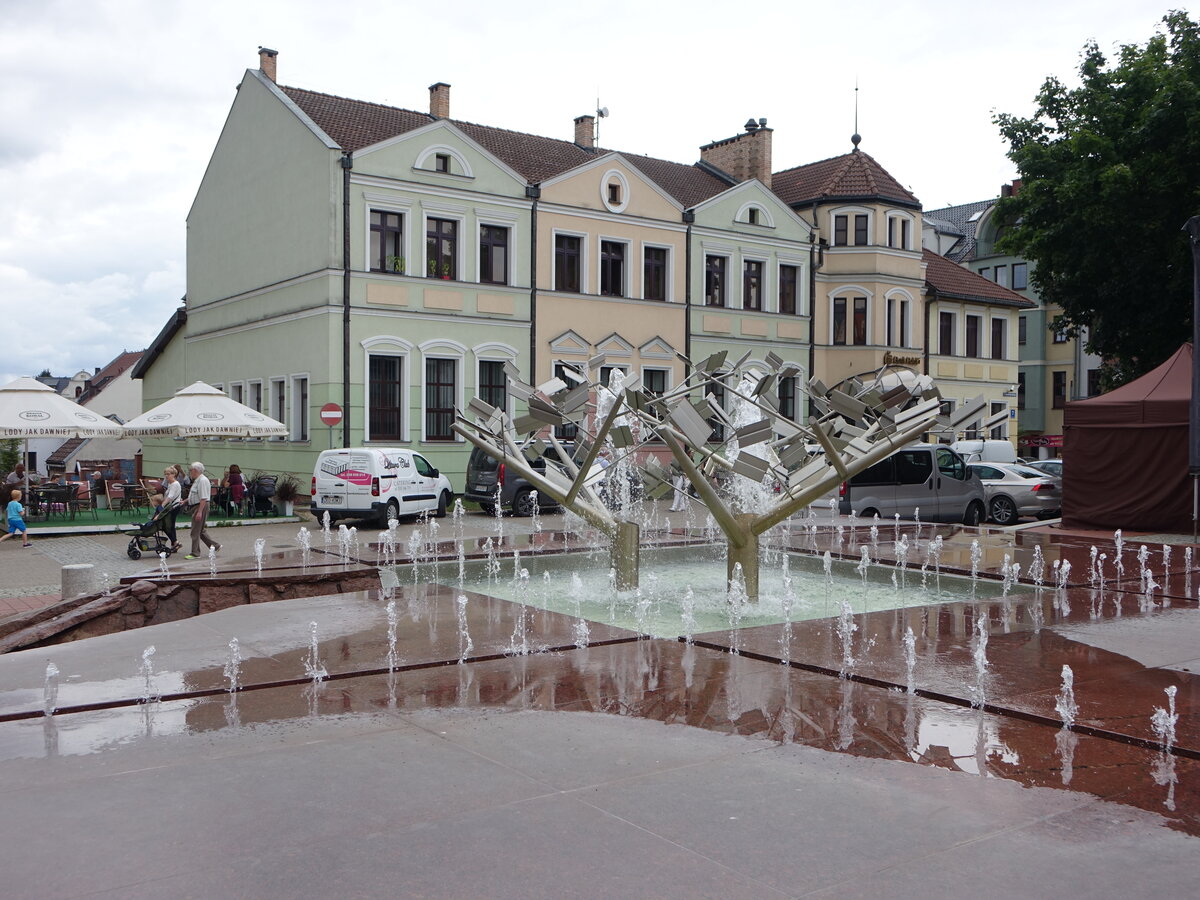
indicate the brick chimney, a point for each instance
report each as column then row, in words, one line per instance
column 585, row 132
column 439, row 100
column 266, row 61
column 746, row 156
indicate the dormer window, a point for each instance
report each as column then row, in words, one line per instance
column 441, row 162
column 614, row 193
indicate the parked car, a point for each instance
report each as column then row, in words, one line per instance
column 378, row 483
column 484, row 473
column 1014, row 491
column 986, row 451
column 1049, row 466
column 929, row 477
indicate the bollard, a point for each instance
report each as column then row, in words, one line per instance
column 77, row 579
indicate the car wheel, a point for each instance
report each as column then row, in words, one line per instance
column 1004, row 511
column 523, row 503
column 443, row 502
column 489, row 509
column 974, row 515
column 391, row 511
column 868, row 513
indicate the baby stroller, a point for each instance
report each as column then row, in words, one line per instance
column 259, row 493
column 152, row 535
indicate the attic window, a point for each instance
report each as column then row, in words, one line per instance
column 614, row 193
column 441, row 162
column 752, row 215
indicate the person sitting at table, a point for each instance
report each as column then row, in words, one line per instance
column 234, row 486
column 17, row 476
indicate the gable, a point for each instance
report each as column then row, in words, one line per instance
column 614, row 345
column 728, row 211
column 588, row 187
column 656, row 348
column 413, row 156
column 570, row 342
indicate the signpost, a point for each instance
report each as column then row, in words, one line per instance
column 331, row 415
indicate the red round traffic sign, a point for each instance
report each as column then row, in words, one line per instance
column 331, row 414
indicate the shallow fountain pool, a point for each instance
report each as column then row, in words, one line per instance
column 677, row 580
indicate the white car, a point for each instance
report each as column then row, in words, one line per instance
column 1014, row 491
column 378, row 483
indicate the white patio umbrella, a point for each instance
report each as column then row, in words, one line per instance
column 29, row 408
column 200, row 410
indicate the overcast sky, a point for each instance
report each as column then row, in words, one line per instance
column 109, row 109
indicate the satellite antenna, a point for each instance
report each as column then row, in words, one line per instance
column 601, row 113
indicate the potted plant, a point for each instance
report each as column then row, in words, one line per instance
column 433, row 268
column 287, row 489
column 396, row 264
column 445, row 271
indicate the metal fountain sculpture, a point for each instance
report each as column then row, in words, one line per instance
column 773, row 467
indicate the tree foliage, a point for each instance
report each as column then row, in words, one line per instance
column 1110, row 172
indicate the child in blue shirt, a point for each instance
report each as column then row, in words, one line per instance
column 16, row 524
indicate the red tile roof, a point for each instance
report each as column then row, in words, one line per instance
column 101, row 379
column 952, row 280
column 355, row 124
column 851, row 175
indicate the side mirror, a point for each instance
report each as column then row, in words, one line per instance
column 435, row 474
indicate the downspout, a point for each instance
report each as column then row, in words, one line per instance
column 347, row 162
column 816, row 259
column 533, row 192
column 689, row 219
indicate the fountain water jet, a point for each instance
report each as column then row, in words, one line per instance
column 233, row 667
column 50, row 690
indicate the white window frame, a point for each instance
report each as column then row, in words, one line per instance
column 670, row 285
column 990, row 320
column 898, row 323
column 609, row 177
column 801, row 284
column 764, row 288
column 959, row 339
column 626, row 275
column 442, row 348
column 583, row 257
column 766, row 220
column 496, row 220
column 495, row 352
column 850, row 212
column 728, row 256
column 429, row 153
column 388, row 345
column 848, row 292
column 460, row 259
column 280, row 415
column 376, row 203
column 897, row 216
column 294, row 408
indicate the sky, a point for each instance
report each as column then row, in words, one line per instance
column 109, row 109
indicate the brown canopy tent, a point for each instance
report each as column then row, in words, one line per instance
column 1126, row 453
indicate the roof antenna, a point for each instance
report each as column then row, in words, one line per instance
column 601, row 113
column 856, row 138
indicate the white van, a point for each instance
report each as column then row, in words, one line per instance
column 929, row 477
column 378, row 483
column 986, row 451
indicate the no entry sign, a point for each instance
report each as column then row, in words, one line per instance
column 331, row 414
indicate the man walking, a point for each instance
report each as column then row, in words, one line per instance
column 198, row 498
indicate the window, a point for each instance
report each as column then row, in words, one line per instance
column 278, row 400
column 493, row 384
column 1020, row 276
column 606, row 373
column 1059, row 393
column 1020, row 390
column 1002, row 276
column 752, row 216
column 614, row 193
column 913, row 466
column 493, row 254
column 860, row 320
column 654, row 273
column 441, row 162
column 787, row 397
column 237, row 392
column 612, row 268
column 860, row 230
column 787, row 290
column 905, row 319
column 986, row 272
column 717, row 393
column 839, row 320
column 1093, row 382
column 946, row 333
column 999, row 338
column 423, row 466
column 568, row 430
column 891, row 321
column 839, row 231
column 752, row 284
column 299, row 408
column 714, row 281
column 567, row 263
column 654, row 385
column 973, row 336
column 997, row 433
column 951, row 465
column 254, row 400
column 385, row 398
column 439, row 398
column 1060, row 334
column 898, row 231
column 1022, row 330
column 441, row 248
column 387, row 242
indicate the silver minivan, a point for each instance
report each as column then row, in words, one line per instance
column 931, row 478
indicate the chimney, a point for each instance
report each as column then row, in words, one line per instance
column 745, row 156
column 439, row 100
column 1005, row 190
column 266, row 61
column 585, row 132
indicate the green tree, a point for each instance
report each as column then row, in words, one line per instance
column 1110, row 172
column 10, row 455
